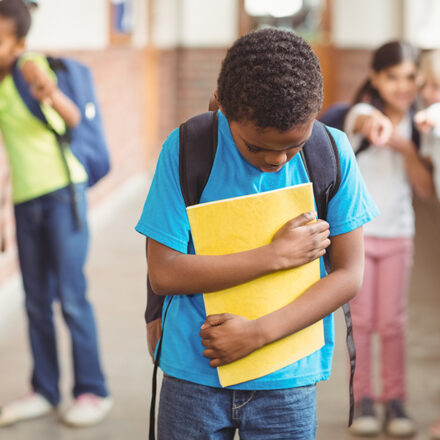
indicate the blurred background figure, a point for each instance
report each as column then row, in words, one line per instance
column 155, row 64
column 52, row 242
column 381, row 130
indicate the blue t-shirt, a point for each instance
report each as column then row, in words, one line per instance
column 164, row 219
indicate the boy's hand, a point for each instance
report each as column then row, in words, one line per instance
column 228, row 337
column 41, row 85
column 299, row 242
column 376, row 127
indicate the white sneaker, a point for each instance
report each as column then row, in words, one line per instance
column 397, row 422
column 365, row 422
column 29, row 407
column 87, row 409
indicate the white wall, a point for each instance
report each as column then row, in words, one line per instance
column 140, row 33
column 166, row 25
column 70, row 24
column 421, row 23
column 365, row 23
column 195, row 23
column 209, row 23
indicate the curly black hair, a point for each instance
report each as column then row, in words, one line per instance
column 18, row 11
column 272, row 78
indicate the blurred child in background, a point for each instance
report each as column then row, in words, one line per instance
column 384, row 138
column 52, row 249
column 428, row 119
column 428, row 122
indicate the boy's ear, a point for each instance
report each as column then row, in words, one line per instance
column 213, row 103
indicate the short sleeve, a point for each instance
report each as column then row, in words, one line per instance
column 164, row 217
column 352, row 206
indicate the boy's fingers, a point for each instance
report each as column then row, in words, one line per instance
column 302, row 219
column 213, row 320
column 318, row 227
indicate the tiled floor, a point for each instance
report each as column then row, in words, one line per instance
column 117, row 272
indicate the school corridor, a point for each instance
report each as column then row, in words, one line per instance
column 116, row 272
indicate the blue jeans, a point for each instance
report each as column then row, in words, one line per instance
column 197, row 412
column 52, row 253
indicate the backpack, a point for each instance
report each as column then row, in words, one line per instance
column 197, row 148
column 335, row 115
column 86, row 140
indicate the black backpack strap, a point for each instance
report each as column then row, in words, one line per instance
column 197, row 147
column 321, row 160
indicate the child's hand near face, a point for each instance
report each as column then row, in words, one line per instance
column 41, row 85
column 46, row 91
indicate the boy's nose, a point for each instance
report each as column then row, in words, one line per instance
column 276, row 158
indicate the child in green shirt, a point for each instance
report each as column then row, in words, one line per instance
column 52, row 249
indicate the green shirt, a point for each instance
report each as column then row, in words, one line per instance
column 34, row 155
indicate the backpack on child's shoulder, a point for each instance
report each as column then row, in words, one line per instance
column 87, row 140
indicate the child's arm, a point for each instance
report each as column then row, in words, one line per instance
column 46, row 91
column 230, row 337
column 365, row 120
column 295, row 244
column 419, row 173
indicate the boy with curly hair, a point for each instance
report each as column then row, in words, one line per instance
column 269, row 92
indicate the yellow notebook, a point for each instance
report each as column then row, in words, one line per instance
column 243, row 223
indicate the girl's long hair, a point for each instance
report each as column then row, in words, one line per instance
column 387, row 55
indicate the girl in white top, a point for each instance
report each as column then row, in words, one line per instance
column 428, row 122
column 381, row 131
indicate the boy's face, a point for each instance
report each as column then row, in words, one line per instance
column 10, row 45
column 269, row 149
column 430, row 91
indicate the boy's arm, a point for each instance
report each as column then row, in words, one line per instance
column 295, row 244
column 46, row 91
column 230, row 337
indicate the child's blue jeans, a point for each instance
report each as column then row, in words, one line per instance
column 197, row 412
column 52, row 253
